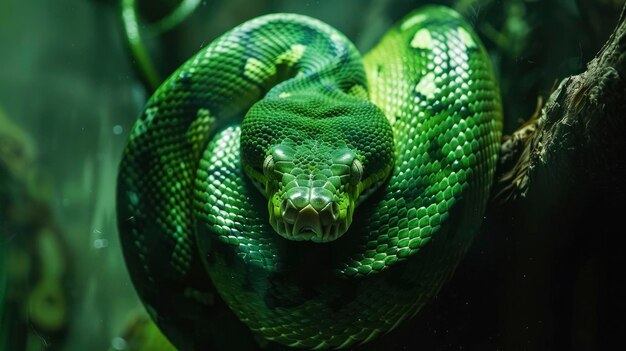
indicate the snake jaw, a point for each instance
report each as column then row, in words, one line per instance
column 308, row 223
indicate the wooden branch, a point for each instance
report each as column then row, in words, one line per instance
column 555, row 225
column 578, row 139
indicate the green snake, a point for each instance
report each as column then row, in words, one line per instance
column 326, row 198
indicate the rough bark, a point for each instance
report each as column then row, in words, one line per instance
column 578, row 139
column 555, row 225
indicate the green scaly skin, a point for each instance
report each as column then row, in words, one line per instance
column 188, row 206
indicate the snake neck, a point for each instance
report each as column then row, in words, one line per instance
column 314, row 142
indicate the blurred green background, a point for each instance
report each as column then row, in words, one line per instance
column 69, row 97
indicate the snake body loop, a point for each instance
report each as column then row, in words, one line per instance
column 411, row 132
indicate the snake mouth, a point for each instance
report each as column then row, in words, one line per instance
column 309, row 224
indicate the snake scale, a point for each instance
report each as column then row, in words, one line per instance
column 326, row 198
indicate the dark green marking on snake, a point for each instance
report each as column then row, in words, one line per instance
column 327, row 196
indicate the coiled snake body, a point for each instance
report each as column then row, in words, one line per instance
column 374, row 172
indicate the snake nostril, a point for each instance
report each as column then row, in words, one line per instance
column 326, row 217
column 329, row 213
column 289, row 212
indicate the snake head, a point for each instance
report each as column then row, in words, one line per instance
column 315, row 158
column 311, row 196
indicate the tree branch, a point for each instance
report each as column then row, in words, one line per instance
column 554, row 224
column 578, row 139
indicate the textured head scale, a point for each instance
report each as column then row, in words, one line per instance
column 312, row 189
column 313, row 158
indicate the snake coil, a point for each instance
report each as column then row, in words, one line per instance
column 193, row 223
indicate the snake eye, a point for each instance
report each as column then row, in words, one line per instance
column 268, row 166
column 356, row 171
